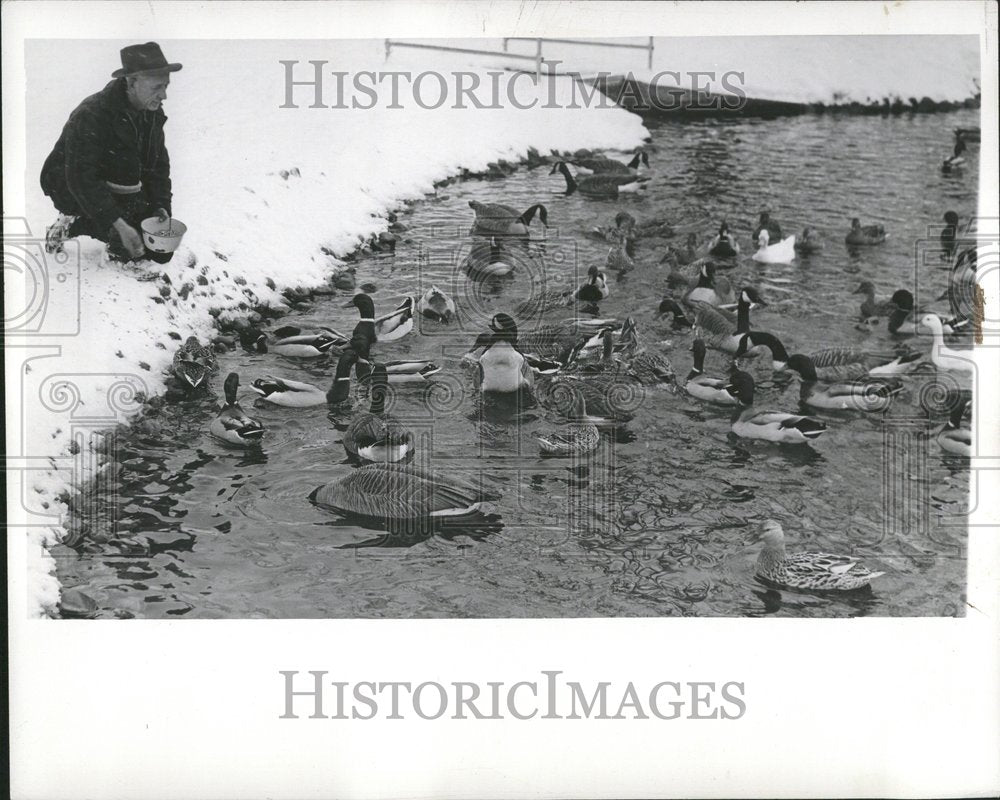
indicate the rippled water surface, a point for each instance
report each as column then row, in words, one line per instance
column 658, row 521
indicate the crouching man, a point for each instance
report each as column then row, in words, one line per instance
column 110, row 169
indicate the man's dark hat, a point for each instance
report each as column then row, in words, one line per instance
column 143, row 58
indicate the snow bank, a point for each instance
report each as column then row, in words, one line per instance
column 262, row 190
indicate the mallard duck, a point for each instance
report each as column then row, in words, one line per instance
column 233, row 425
column 679, row 257
column 618, row 258
column 701, row 386
column 865, row 235
column 949, row 236
column 765, row 223
column 497, row 219
column 781, row 253
column 607, row 185
column 715, row 291
column 956, row 159
column 401, row 492
column 722, row 330
column 602, row 165
column 864, row 394
column 953, row 437
column 771, row 426
column 724, row 244
column 905, row 317
column 435, row 304
column 595, row 288
column 375, row 435
column 648, row 366
column 578, row 437
column 387, row 328
column 623, row 228
column 303, row 346
column 492, row 258
column 290, row 331
column 809, row 242
column 870, row 307
column 193, row 364
column 815, row 571
column 289, row 393
column 943, row 356
column 406, row 371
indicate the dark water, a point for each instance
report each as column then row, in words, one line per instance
column 657, row 522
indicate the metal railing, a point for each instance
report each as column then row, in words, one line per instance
column 536, row 58
column 648, row 47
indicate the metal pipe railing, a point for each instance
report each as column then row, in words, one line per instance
column 648, row 47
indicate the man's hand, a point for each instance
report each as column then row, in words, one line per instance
column 162, row 214
column 130, row 237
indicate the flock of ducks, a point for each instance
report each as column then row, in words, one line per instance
column 579, row 367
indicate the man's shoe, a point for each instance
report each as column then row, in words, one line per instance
column 57, row 233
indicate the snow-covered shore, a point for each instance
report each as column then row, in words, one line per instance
column 256, row 227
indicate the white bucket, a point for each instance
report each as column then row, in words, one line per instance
column 162, row 236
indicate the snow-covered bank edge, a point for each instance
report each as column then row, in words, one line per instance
column 134, row 318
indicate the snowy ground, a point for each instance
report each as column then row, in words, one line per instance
column 255, row 231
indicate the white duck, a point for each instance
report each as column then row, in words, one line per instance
column 781, row 253
column 942, row 355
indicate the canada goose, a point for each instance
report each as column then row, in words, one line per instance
column 497, row 219
column 606, row 185
column 602, row 165
column 864, row 394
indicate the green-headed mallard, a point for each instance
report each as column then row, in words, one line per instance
column 578, row 437
column 954, row 438
column 602, row 165
column 863, row 394
column 770, row 426
column 815, row 571
column 401, row 492
column 606, row 185
column 765, row 223
column 387, row 328
column 595, row 288
column 703, row 387
column 375, row 435
column 233, row 425
column 497, row 219
column 295, row 394
column 435, row 304
column 310, row 345
column 865, row 234
column 724, row 244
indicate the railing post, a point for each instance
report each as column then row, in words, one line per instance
column 538, row 60
column 388, row 47
column 505, row 40
column 650, row 64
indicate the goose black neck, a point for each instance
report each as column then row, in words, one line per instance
column 778, row 351
column 570, row 180
column 743, row 315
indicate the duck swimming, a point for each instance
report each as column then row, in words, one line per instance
column 949, row 236
column 579, row 437
column 703, row 387
column 491, row 259
column 503, row 368
column 595, row 288
column 435, row 304
column 375, row 435
column 296, row 394
column 310, row 345
column 618, row 258
column 623, row 228
column 813, row 571
column 602, row 165
column 956, row 159
column 193, row 364
column 649, row 367
column 866, row 394
column 953, row 437
column 943, row 356
column 497, row 219
column 765, row 223
column 865, row 234
column 870, row 307
column 388, row 328
column 401, row 492
column 724, row 244
column 715, row 291
column 782, row 252
column 770, row 426
column 809, row 242
column 555, row 341
column 608, row 185
column 233, row 425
